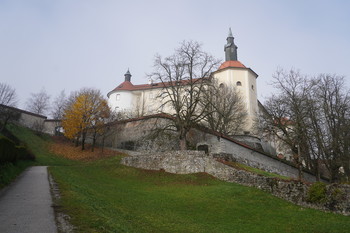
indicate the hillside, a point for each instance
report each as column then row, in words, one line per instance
column 101, row 195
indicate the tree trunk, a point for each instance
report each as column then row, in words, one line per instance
column 183, row 144
column 76, row 141
column 83, row 141
column 103, row 143
column 93, row 142
column 317, row 170
column 300, row 165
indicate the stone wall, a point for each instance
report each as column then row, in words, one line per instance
column 143, row 134
column 229, row 149
column 33, row 121
column 184, row 162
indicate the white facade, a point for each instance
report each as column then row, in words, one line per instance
column 138, row 100
column 144, row 99
column 244, row 80
column 121, row 100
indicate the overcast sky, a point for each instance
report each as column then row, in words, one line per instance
column 70, row 44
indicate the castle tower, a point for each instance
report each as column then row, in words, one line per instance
column 230, row 48
column 127, row 76
column 233, row 73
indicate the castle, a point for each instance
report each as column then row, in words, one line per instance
column 142, row 99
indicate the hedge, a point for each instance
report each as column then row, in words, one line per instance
column 10, row 153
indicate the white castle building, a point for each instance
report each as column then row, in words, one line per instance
column 142, row 99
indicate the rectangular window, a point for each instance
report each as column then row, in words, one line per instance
column 118, row 97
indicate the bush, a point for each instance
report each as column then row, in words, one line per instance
column 24, row 154
column 8, row 151
column 317, row 193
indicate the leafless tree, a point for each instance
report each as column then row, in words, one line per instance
column 329, row 112
column 224, row 109
column 58, row 105
column 286, row 114
column 8, row 95
column 8, row 99
column 39, row 103
column 183, row 76
column 312, row 117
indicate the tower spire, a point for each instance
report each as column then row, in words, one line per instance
column 127, row 76
column 230, row 48
column 230, row 33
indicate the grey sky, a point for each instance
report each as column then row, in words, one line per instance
column 67, row 44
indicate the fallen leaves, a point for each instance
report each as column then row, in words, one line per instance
column 67, row 149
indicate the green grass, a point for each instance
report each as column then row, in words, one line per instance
column 38, row 145
column 256, row 170
column 105, row 196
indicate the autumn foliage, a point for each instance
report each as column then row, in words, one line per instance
column 86, row 113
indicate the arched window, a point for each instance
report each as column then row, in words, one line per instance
column 239, row 83
column 252, row 87
column 221, row 86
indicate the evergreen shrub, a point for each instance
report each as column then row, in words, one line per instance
column 317, row 193
column 8, row 151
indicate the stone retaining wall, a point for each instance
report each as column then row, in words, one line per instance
column 185, row 162
column 141, row 135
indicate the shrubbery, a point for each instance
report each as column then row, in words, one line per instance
column 10, row 153
column 317, row 193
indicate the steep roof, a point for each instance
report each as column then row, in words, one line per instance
column 234, row 64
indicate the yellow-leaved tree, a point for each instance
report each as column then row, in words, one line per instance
column 86, row 113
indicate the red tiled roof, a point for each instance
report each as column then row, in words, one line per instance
column 237, row 64
column 128, row 86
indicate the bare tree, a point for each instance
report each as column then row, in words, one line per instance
column 224, row 109
column 8, row 95
column 183, row 76
column 312, row 117
column 8, row 99
column 58, row 105
column 329, row 112
column 39, row 103
column 286, row 114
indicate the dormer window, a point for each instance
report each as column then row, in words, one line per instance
column 239, row 83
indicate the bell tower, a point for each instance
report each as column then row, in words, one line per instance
column 230, row 48
column 127, row 76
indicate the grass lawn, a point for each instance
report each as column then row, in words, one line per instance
column 104, row 196
column 101, row 195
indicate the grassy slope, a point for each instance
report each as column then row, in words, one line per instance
column 39, row 146
column 104, row 196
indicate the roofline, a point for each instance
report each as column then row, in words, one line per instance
column 23, row 111
column 241, row 68
column 121, row 90
column 154, row 85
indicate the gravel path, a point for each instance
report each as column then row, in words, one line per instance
column 26, row 205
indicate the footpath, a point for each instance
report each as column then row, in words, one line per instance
column 26, row 205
